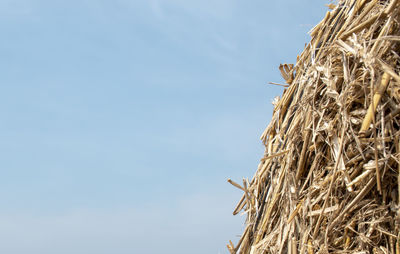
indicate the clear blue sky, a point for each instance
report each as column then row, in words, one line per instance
column 122, row 119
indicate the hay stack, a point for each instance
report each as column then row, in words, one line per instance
column 329, row 180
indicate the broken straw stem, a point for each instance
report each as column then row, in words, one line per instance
column 236, row 184
column 375, row 101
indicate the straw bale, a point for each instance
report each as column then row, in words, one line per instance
column 329, row 178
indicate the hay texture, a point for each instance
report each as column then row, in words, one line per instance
column 329, row 179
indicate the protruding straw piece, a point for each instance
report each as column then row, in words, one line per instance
column 375, row 101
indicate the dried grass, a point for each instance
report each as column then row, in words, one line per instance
column 329, row 180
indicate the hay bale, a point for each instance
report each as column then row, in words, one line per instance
column 329, row 180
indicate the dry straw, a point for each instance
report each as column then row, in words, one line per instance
column 329, row 179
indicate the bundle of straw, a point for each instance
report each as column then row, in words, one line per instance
column 329, row 179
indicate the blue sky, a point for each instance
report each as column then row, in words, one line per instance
column 121, row 120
